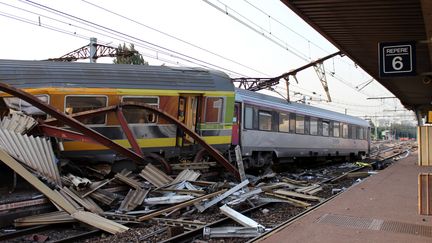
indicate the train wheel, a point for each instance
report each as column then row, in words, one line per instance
column 157, row 159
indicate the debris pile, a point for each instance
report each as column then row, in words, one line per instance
column 108, row 201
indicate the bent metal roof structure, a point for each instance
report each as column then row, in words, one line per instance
column 356, row 28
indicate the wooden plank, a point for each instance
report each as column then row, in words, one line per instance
column 99, row 222
column 297, row 195
column 129, row 181
column 87, row 203
column 179, row 206
column 292, row 201
column 33, row 180
column 94, row 186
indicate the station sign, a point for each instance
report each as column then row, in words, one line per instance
column 396, row 59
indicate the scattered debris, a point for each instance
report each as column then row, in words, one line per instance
column 206, row 205
column 239, row 218
column 232, row 232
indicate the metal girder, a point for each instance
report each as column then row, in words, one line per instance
column 255, row 84
column 127, row 131
column 320, row 71
column 64, row 133
column 84, row 53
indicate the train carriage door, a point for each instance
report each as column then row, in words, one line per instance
column 187, row 114
column 236, row 124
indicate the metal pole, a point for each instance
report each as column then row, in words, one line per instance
column 92, row 45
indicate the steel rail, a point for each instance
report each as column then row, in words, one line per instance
column 22, row 232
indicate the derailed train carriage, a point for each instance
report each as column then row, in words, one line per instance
column 266, row 128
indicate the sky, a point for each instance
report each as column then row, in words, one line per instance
column 243, row 38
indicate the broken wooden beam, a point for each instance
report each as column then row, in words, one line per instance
column 297, row 195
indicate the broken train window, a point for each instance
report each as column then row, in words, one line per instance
column 141, row 115
column 17, row 104
column 75, row 104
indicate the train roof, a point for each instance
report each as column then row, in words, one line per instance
column 38, row 74
column 281, row 104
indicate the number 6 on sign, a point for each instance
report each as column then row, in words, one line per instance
column 397, row 63
column 396, row 59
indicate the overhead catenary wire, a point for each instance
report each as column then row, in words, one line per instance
column 28, row 21
column 261, row 33
column 184, row 56
column 87, row 38
column 290, row 29
column 255, row 30
column 174, row 37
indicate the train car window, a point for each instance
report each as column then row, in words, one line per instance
column 75, row 104
column 365, row 135
column 292, row 123
column 360, row 133
column 354, row 132
column 139, row 116
column 325, row 130
column 336, row 129
column 331, row 128
column 248, row 118
column 345, row 130
column 214, row 107
column 18, row 104
column 320, row 127
column 300, row 124
column 265, row 120
column 284, row 122
column 307, row 125
column 313, row 126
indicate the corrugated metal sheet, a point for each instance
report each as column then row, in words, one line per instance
column 133, row 199
column 155, row 176
column 17, row 122
column 35, row 152
column 32, row 74
column 186, row 175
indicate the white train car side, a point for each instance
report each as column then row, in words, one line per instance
column 271, row 129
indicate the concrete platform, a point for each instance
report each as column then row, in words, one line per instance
column 382, row 208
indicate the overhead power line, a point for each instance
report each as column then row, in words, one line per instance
column 174, row 37
column 262, row 33
column 183, row 56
